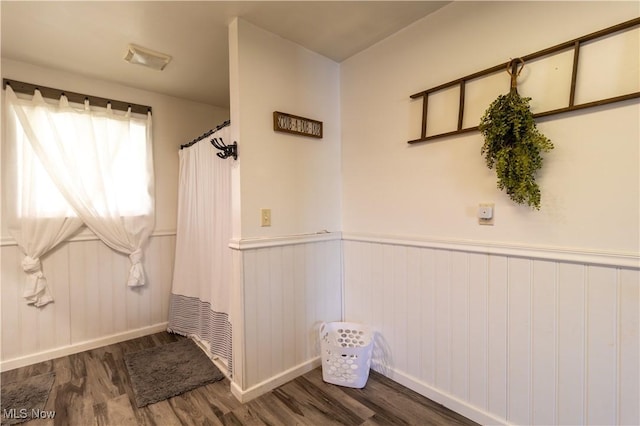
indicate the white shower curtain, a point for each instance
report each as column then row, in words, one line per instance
column 200, row 295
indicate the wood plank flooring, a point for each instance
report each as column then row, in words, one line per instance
column 93, row 388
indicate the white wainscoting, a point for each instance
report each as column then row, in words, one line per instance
column 93, row 305
column 518, row 338
column 289, row 287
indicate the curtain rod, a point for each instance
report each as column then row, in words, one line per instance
column 207, row 134
column 50, row 93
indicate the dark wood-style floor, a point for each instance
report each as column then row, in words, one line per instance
column 93, row 388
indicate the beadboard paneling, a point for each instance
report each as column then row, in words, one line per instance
column 91, row 298
column 504, row 338
column 628, row 368
column 289, row 290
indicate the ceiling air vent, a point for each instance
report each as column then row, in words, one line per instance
column 148, row 58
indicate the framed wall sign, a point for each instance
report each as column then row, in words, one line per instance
column 288, row 123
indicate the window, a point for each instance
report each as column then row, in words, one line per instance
column 104, row 155
column 64, row 167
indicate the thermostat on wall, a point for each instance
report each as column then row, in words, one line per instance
column 485, row 214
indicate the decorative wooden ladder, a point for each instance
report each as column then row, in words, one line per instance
column 512, row 68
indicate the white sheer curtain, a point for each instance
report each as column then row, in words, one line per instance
column 38, row 224
column 200, row 293
column 102, row 165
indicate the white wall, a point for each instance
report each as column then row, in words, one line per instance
column 285, row 283
column 501, row 338
column 297, row 177
column 93, row 305
column 534, row 320
column 589, row 182
column 289, row 288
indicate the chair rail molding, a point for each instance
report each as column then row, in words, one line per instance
column 284, row 240
column 565, row 254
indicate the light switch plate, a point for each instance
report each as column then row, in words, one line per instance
column 265, row 217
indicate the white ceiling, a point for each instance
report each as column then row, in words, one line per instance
column 91, row 37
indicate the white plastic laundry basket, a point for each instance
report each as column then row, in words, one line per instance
column 346, row 353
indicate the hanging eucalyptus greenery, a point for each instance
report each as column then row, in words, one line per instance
column 513, row 144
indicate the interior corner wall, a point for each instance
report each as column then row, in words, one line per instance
column 534, row 320
column 287, row 277
column 93, row 306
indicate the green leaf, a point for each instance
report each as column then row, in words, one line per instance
column 513, row 145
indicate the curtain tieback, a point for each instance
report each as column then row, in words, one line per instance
column 36, row 290
column 31, row 265
column 136, row 272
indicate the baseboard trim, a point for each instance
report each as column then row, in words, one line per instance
column 81, row 347
column 459, row 406
column 273, row 382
